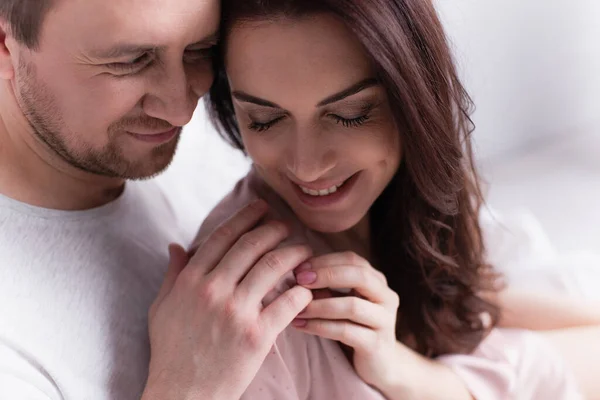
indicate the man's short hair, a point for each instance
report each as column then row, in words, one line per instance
column 25, row 18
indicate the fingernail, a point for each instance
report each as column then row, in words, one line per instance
column 304, row 267
column 306, row 277
column 299, row 323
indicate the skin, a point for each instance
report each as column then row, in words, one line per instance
column 67, row 113
column 306, row 142
column 295, row 140
column 68, row 106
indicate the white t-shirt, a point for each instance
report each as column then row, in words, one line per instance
column 75, row 289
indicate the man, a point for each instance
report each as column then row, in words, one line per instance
column 94, row 93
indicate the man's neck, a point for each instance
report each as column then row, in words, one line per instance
column 33, row 174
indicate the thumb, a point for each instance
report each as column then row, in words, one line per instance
column 178, row 259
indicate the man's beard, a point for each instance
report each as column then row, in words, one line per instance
column 40, row 109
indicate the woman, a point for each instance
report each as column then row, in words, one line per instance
column 358, row 129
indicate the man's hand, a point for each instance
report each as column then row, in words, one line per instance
column 209, row 332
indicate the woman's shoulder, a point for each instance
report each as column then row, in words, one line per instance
column 243, row 193
column 247, row 190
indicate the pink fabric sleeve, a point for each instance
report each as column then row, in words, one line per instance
column 515, row 364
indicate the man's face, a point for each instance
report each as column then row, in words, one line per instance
column 113, row 81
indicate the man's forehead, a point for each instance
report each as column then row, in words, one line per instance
column 160, row 22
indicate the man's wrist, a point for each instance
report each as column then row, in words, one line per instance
column 162, row 387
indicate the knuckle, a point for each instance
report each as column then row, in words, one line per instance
column 257, row 207
column 222, row 233
column 383, row 278
column 209, row 291
column 296, row 300
column 354, row 307
column 395, row 299
column 252, row 337
column 188, row 280
column 305, row 251
column 277, row 227
column 230, row 309
column 250, row 241
column 330, row 274
column 345, row 332
column 352, row 258
column 363, row 275
column 272, row 261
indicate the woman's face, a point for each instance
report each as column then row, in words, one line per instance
column 314, row 120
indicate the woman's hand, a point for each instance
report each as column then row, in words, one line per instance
column 365, row 319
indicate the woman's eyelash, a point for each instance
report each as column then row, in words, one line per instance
column 261, row 127
column 352, row 122
column 346, row 122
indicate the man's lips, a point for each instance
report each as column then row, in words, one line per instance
column 160, row 137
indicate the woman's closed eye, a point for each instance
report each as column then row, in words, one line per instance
column 351, row 122
column 346, row 122
column 264, row 126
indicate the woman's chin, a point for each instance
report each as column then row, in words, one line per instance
column 329, row 224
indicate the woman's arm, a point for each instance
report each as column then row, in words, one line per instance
column 580, row 347
column 418, row 378
column 545, row 311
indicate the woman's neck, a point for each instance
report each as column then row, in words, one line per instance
column 356, row 239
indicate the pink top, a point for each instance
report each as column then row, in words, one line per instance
column 509, row 364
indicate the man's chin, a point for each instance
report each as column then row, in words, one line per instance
column 154, row 164
column 147, row 170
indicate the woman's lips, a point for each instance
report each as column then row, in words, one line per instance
column 329, row 195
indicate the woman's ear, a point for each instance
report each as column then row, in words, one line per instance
column 7, row 47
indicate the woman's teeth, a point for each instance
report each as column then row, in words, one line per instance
column 324, row 192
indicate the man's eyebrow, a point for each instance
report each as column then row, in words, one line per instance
column 131, row 49
column 122, row 50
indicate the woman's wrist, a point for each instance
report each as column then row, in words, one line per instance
column 411, row 375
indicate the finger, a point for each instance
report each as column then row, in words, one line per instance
column 338, row 259
column 349, row 308
column 178, row 259
column 281, row 312
column 319, row 294
column 218, row 243
column 269, row 271
column 249, row 249
column 363, row 280
column 351, row 334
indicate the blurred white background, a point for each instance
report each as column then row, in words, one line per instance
column 533, row 70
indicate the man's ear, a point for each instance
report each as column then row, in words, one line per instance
column 7, row 46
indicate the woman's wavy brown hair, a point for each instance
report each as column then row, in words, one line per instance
column 425, row 232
